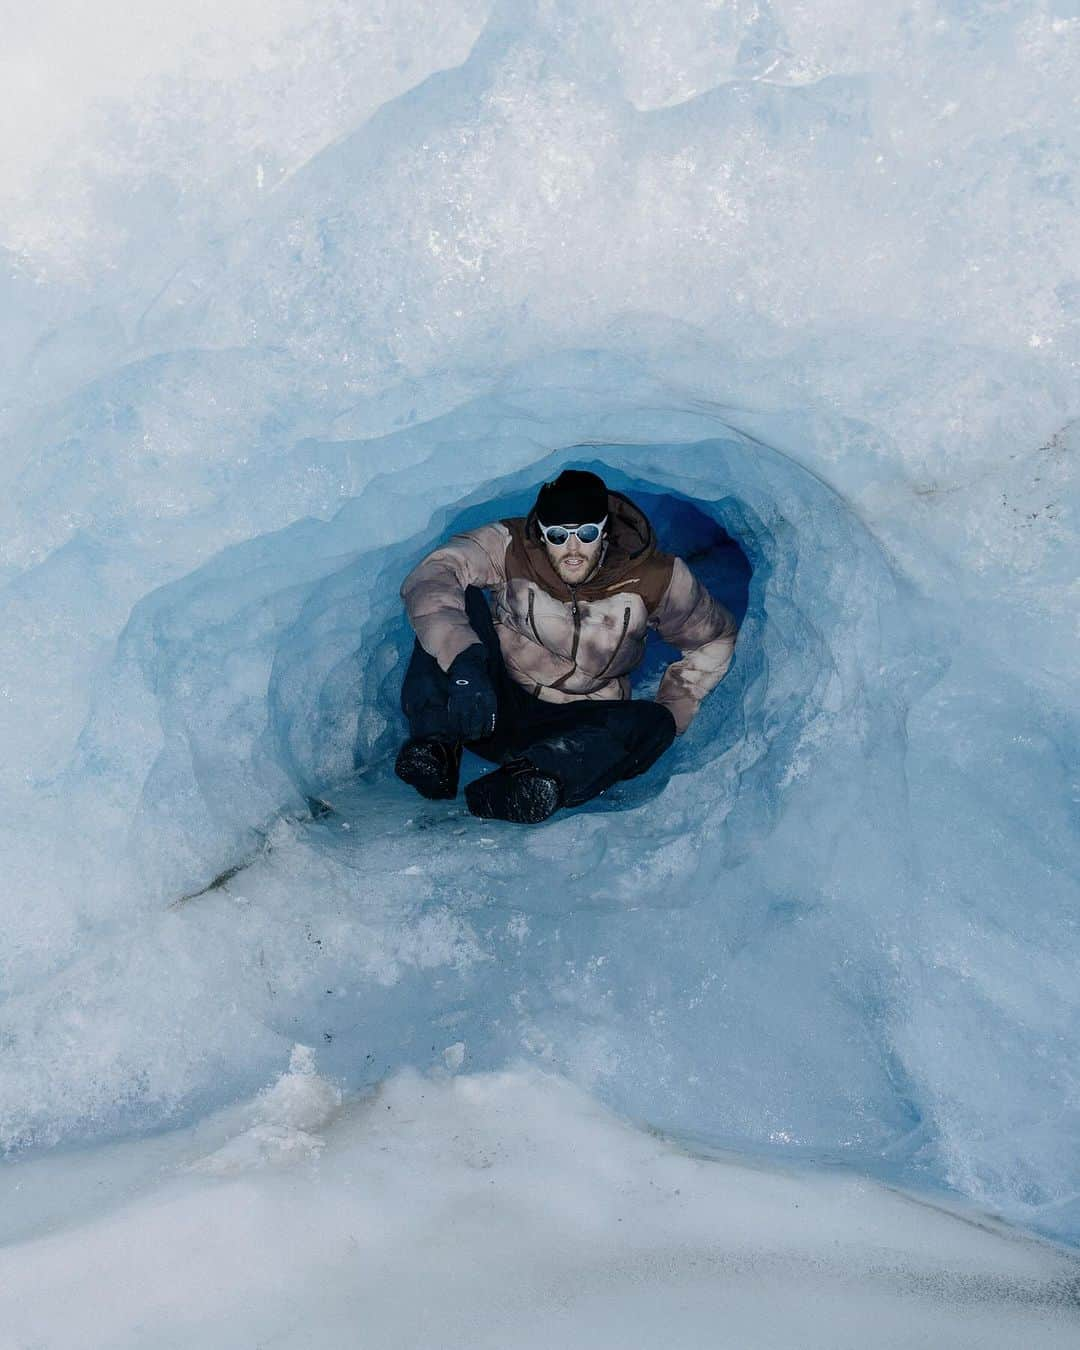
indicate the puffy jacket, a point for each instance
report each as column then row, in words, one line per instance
column 564, row 642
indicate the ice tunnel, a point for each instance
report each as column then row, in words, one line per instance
column 708, row 948
column 275, row 668
column 776, row 940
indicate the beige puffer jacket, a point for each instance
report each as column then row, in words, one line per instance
column 565, row 642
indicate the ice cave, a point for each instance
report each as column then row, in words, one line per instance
column 273, row 326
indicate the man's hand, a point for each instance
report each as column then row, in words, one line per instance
column 471, row 706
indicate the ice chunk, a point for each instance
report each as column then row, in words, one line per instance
column 454, row 1056
column 285, row 1118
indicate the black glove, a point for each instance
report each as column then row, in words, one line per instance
column 471, row 706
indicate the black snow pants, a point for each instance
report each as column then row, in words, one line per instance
column 588, row 744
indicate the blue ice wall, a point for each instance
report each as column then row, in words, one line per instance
column 838, row 920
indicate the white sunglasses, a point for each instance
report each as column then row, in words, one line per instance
column 559, row 534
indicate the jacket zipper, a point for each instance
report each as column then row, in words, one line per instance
column 618, row 645
column 577, row 624
column 532, row 621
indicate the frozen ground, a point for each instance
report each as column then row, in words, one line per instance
column 281, row 313
column 503, row 1211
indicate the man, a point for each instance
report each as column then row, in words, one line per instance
column 537, row 681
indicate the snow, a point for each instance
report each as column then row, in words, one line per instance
column 277, row 316
column 496, row 1210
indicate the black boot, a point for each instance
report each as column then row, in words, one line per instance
column 430, row 766
column 516, row 791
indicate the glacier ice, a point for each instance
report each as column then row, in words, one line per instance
column 801, row 291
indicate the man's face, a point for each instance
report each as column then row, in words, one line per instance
column 574, row 561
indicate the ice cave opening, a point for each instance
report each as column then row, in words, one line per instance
column 273, row 672
column 751, row 947
column 275, row 667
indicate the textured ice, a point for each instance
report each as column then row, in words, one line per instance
column 787, row 278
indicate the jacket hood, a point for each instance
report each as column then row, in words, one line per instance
column 631, row 542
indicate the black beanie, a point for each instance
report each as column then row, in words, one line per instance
column 576, row 497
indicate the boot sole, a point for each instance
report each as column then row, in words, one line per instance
column 523, row 803
column 423, row 770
